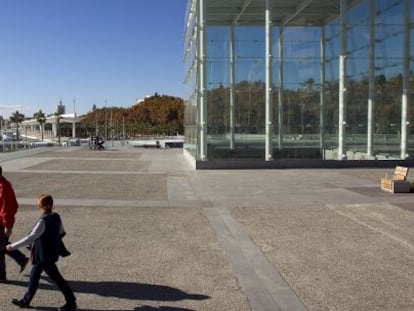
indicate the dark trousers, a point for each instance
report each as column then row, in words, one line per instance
column 53, row 272
column 17, row 255
column 3, row 243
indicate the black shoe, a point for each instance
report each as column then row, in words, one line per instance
column 21, row 303
column 68, row 307
column 23, row 265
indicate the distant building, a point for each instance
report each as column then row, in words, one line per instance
column 141, row 100
column 277, row 81
column 60, row 109
column 57, row 124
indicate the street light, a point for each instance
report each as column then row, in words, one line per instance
column 42, row 121
column 96, row 119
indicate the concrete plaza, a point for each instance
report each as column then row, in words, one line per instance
column 147, row 232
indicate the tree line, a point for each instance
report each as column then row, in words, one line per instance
column 302, row 107
column 156, row 115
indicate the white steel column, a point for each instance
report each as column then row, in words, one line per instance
column 54, row 128
column 406, row 78
column 281, row 85
column 269, row 83
column 232, row 81
column 371, row 77
column 74, row 127
column 202, row 80
column 342, row 82
column 322, row 94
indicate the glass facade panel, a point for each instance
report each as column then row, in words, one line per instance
column 331, row 88
column 411, row 86
column 190, row 82
column 218, row 85
column 389, row 69
column 301, row 100
column 357, row 75
column 249, row 92
column 248, row 114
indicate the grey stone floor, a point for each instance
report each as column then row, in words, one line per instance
column 147, row 232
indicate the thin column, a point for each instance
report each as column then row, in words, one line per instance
column 202, row 81
column 269, row 83
column 232, row 81
column 54, row 128
column 406, row 78
column 281, row 86
column 74, row 120
column 342, row 81
column 371, row 90
column 74, row 128
column 322, row 94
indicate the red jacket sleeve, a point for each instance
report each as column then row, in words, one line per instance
column 8, row 204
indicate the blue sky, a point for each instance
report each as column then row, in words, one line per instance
column 88, row 51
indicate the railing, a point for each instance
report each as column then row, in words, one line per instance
column 12, row 146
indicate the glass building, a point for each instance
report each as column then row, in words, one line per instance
column 311, row 81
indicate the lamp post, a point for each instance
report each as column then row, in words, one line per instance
column 106, row 123
column 96, row 119
column 112, row 131
column 74, row 120
column 58, row 126
column 42, row 121
column 25, row 133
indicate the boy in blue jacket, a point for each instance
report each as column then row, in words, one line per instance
column 45, row 239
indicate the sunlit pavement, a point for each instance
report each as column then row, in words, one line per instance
column 147, row 232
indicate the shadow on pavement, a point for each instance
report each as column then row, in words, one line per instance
column 162, row 308
column 125, row 290
column 138, row 291
column 142, row 308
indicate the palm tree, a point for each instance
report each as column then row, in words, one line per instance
column 17, row 118
column 41, row 118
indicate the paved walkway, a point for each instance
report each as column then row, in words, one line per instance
column 147, row 232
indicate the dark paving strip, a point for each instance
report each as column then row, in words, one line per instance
column 80, row 172
column 263, row 285
column 376, row 192
column 120, row 203
column 329, row 186
column 406, row 206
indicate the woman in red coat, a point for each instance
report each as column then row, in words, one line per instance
column 8, row 208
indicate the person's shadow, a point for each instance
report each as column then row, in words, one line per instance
column 124, row 290
column 135, row 291
column 141, row 308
